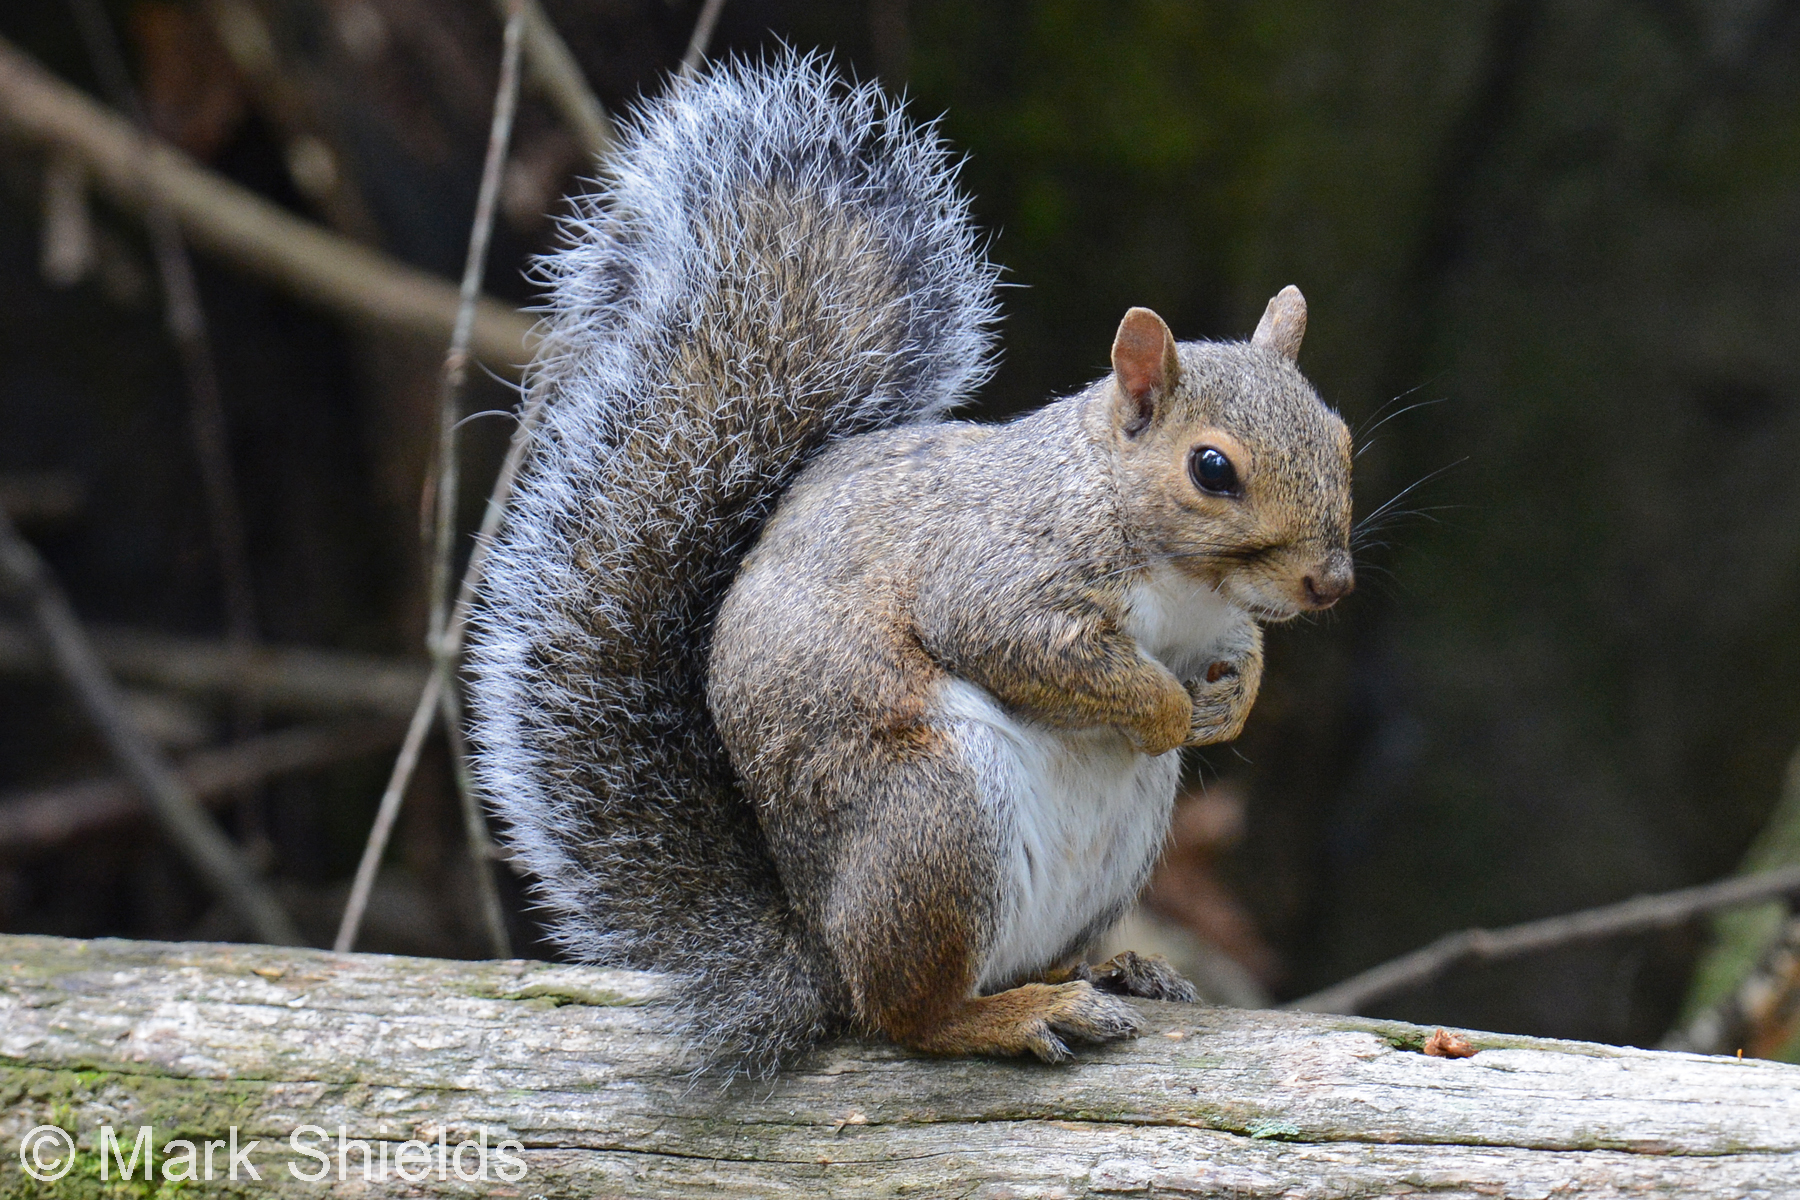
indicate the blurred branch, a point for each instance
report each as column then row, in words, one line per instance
column 292, row 679
column 26, row 577
column 69, row 252
column 185, row 318
column 555, row 71
column 41, row 495
column 890, row 40
column 186, row 322
column 241, row 226
column 1637, row 915
column 291, row 111
column 456, row 361
column 49, row 817
column 695, row 58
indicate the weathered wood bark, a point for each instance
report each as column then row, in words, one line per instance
column 196, row 1039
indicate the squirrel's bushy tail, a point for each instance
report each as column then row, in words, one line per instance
column 777, row 260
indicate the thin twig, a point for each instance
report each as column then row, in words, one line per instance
column 456, row 359
column 404, row 764
column 452, row 643
column 211, row 853
column 223, row 218
column 695, row 58
column 555, row 71
column 1740, row 968
column 1637, row 915
column 48, row 817
column 449, row 411
column 475, row 828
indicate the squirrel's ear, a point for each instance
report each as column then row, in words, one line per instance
column 1283, row 324
column 1146, row 366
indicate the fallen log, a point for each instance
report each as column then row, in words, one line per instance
column 560, row 1081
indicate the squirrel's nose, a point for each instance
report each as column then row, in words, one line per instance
column 1330, row 581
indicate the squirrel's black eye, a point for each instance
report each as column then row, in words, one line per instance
column 1213, row 472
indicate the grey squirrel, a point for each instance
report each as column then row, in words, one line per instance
column 844, row 715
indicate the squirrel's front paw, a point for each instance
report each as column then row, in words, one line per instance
column 1222, row 696
column 1221, row 705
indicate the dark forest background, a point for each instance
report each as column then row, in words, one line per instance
column 1568, row 230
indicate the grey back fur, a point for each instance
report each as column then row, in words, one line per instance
column 778, row 261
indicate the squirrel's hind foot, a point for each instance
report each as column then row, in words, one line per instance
column 1146, row 976
column 1033, row 1018
column 1082, row 1013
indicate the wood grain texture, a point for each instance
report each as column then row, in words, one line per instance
column 570, row 1061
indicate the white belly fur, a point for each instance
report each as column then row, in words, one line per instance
column 1081, row 815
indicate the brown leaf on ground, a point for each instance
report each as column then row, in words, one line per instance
column 1444, row 1044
